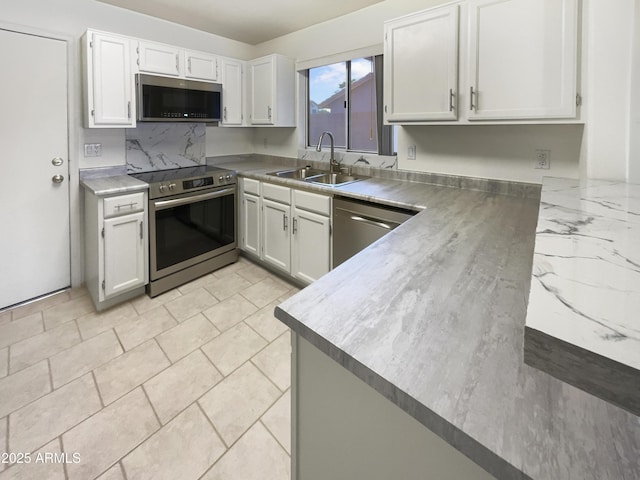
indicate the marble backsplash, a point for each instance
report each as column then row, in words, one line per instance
column 162, row 146
column 350, row 158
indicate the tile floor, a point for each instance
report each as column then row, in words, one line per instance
column 193, row 384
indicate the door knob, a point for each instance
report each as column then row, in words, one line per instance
column 57, row 161
column 57, row 178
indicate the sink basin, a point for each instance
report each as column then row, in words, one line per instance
column 333, row 179
column 297, row 173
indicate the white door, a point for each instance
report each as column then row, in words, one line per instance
column 158, row 58
column 201, row 66
column 276, row 241
column 34, row 211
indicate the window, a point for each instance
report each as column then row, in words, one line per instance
column 350, row 110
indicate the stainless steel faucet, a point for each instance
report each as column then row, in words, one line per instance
column 334, row 165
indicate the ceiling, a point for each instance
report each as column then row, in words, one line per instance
column 249, row 21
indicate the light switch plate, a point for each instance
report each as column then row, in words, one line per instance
column 411, row 152
column 92, row 149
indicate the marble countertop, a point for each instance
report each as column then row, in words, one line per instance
column 112, row 185
column 583, row 324
column 432, row 316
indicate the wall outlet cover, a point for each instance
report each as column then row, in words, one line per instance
column 542, row 159
column 411, row 152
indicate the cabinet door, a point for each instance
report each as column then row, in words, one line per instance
column 522, row 59
column 251, row 224
column 109, row 81
column 232, row 92
column 200, row 65
column 421, row 66
column 124, row 253
column 158, row 58
column 276, row 241
column 310, row 245
column 262, row 94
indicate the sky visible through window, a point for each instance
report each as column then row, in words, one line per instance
column 325, row 81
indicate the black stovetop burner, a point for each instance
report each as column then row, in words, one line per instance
column 199, row 171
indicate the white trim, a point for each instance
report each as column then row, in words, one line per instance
column 369, row 51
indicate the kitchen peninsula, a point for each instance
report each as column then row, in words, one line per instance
column 432, row 317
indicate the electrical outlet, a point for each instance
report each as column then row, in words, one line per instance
column 411, row 152
column 92, row 149
column 543, row 159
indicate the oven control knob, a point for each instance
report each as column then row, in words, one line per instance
column 228, row 177
column 172, row 186
column 221, row 178
column 161, row 188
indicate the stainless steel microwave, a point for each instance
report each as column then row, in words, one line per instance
column 165, row 99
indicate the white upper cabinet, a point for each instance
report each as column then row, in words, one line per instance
column 108, row 92
column 201, row 66
column 158, row 58
column 232, row 88
column 421, row 66
column 499, row 61
column 272, row 91
column 522, row 59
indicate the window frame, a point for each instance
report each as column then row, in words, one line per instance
column 381, row 129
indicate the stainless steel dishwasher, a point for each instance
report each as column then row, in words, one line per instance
column 357, row 224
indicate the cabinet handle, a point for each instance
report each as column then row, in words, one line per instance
column 285, row 223
column 216, row 68
column 269, row 112
column 295, row 225
column 225, row 114
column 129, row 109
column 141, row 232
column 126, row 205
column 189, row 64
column 177, row 63
column 472, row 106
column 451, row 97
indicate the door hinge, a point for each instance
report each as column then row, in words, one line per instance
column 578, row 100
column 93, row 113
column 103, row 284
column 90, row 44
column 102, row 233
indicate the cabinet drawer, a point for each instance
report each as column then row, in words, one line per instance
column 123, row 204
column 313, row 202
column 251, row 186
column 277, row 193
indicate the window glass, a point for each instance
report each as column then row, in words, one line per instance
column 363, row 123
column 327, row 103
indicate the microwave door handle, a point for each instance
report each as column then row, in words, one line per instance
column 164, row 204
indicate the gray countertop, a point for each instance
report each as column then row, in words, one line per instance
column 112, row 185
column 582, row 322
column 432, row 316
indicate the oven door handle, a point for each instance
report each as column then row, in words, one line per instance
column 164, row 204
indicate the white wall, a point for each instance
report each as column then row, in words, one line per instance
column 607, row 90
column 504, row 152
column 71, row 18
column 492, row 151
column 634, row 104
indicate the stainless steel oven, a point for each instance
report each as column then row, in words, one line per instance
column 192, row 224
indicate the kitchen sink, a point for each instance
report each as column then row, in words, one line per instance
column 333, row 179
column 320, row 177
column 297, row 173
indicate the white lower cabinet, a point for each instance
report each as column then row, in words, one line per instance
column 310, row 255
column 124, row 265
column 116, row 247
column 286, row 228
column 276, row 240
